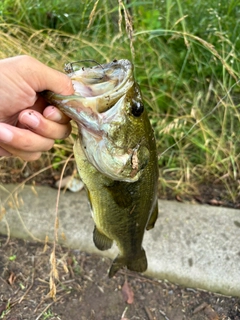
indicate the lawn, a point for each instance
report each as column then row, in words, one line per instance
column 186, row 61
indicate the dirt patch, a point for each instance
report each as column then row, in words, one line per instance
column 85, row 292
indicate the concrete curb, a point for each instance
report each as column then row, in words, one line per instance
column 193, row 245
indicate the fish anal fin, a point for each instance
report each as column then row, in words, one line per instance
column 153, row 218
column 138, row 264
column 101, row 241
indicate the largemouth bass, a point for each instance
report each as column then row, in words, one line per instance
column 116, row 157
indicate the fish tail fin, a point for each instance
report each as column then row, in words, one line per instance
column 136, row 263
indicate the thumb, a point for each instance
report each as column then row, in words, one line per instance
column 41, row 77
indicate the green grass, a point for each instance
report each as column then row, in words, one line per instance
column 186, row 60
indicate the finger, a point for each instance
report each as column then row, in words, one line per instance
column 39, row 105
column 4, row 153
column 42, row 126
column 12, row 138
column 26, row 156
column 50, row 112
column 54, row 114
column 41, row 77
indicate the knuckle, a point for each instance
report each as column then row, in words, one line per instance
column 66, row 132
column 69, row 85
column 34, row 156
column 27, row 58
column 30, row 156
column 49, row 145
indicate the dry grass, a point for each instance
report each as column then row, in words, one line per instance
column 54, row 48
column 192, row 105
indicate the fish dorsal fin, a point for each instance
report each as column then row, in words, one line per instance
column 101, row 241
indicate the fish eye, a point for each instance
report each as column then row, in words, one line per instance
column 137, row 108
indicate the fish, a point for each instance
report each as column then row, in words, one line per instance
column 116, row 157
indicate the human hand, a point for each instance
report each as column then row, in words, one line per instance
column 28, row 125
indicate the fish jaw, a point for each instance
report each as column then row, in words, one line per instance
column 75, row 107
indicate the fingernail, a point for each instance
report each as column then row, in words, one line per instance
column 5, row 135
column 29, row 119
column 53, row 114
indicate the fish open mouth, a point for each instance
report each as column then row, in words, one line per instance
column 102, row 85
column 101, row 104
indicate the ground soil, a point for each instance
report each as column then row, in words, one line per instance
column 83, row 290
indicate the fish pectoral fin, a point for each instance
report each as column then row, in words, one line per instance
column 153, row 218
column 101, row 241
column 138, row 263
column 120, row 193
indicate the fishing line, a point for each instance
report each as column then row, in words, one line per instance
column 200, row 120
column 69, row 66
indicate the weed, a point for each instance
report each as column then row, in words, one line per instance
column 186, row 60
column 13, row 257
column 47, row 315
column 6, row 311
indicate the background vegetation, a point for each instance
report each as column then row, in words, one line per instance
column 186, row 61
